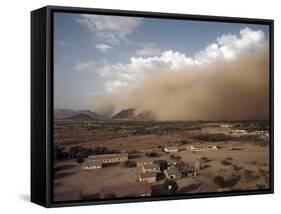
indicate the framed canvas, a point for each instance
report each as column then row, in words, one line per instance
column 131, row 106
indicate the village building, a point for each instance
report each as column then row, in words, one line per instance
column 151, row 168
column 261, row 133
column 149, row 177
column 198, row 165
column 235, row 148
column 171, row 149
column 110, row 158
column 201, row 148
column 126, row 190
column 144, row 161
column 192, row 172
column 172, row 173
column 225, row 125
column 238, row 132
column 92, row 164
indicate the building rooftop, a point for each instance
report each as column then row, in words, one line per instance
column 148, row 175
column 171, row 148
column 92, row 163
column 142, row 160
column 172, row 171
column 126, row 190
column 151, row 166
column 108, row 156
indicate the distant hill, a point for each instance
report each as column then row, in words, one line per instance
column 145, row 115
column 82, row 117
column 71, row 114
column 63, row 113
column 125, row 114
column 131, row 114
column 86, row 115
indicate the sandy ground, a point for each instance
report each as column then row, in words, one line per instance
column 251, row 164
column 253, row 158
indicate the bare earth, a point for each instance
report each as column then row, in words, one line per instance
column 250, row 164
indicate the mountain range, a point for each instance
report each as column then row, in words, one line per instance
column 86, row 115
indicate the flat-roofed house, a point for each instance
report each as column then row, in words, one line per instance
column 225, row 125
column 238, row 132
column 202, row 148
column 92, row 164
column 192, row 172
column 151, row 168
column 171, row 149
column 126, row 190
column 144, row 161
column 172, row 173
column 110, row 158
column 149, row 177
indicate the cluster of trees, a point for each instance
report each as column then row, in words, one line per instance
column 175, row 157
column 213, row 137
column 171, row 186
column 253, row 126
column 142, row 131
column 163, row 164
column 78, row 152
column 152, row 154
column 223, row 137
column 222, row 182
column 181, row 142
column 130, row 163
column 59, row 153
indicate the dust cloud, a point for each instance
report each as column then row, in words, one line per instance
column 224, row 90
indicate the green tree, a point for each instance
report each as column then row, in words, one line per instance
column 171, row 186
column 163, row 164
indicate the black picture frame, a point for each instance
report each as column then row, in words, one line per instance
column 42, row 103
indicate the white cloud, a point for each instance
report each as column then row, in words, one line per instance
column 103, row 47
column 85, row 66
column 62, row 43
column 229, row 46
column 112, row 29
column 113, row 85
column 148, row 51
column 226, row 47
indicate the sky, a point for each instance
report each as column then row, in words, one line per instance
column 95, row 55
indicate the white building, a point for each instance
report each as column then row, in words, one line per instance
column 201, row 148
column 151, row 168
column 172, row 173
column 171, row 149
column 92, row 164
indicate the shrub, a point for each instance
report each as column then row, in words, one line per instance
column 213, row 137
column 171, row 186
column 237, row 168
column 175, row 157
column 130, row 163
column 250, row 175
column 59, row 153
column 222, row 182
column 163, row 164
column 226, row 162
column 182, row 142
column 80, row 160
column 152, row 154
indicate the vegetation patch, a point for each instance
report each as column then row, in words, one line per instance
column 223, row 182
column 226, row 162
column 213, row 137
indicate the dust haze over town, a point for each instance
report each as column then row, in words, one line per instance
column 235, row 90
column 159, row 121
